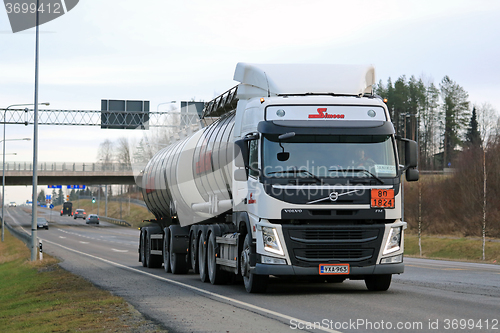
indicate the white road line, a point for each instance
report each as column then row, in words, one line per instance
column 61, row 237
column 228, row 299
column 84, row 242
column 119, row 250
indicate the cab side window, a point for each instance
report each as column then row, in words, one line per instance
column 253, row 158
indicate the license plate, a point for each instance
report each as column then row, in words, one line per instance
column 325, row 269
column 382, row 198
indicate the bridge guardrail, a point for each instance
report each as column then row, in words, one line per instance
column 126, row 200
column 62, row 166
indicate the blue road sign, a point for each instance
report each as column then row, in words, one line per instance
column 51, row 206
column 80, row 187
column 54, row 186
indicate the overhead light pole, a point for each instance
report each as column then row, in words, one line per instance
column 3, row 169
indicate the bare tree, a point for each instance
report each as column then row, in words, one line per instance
column 105, row 153
column 123, row 151
column 487, row 119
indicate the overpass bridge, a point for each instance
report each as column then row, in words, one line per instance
column 64, row 173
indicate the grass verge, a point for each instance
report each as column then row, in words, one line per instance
column 42, row 297
column 452, row 248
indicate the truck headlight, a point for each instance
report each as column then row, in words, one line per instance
column 271, row 240
column 393, row 242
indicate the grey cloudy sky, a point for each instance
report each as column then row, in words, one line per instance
column 175, row 50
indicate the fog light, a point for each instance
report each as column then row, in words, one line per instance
column 392, row 260
column 272, row 261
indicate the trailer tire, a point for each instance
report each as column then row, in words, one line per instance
column 202, row 257
column 166, row 251
column 253, row 283
column 193, row 251
column 215, row 274
column 142, row 248
column 378, row 282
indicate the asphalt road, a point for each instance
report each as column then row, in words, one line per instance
column 431, row 296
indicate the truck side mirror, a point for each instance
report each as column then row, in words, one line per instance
column 412, row 175
column 411, row 154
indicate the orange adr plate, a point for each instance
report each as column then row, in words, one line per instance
column 382, row 198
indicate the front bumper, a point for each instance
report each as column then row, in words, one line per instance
column 265, row 269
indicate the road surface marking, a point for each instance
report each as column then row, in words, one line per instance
column 263, row 311
column 84, row 242
column 61, row 237
column 119, row 250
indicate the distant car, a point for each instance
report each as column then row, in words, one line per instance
column 41, row 222
column 79, row 213
column 12, row 204
column 92, row 218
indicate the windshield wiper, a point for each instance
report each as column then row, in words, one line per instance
column 359, row 170
column 295, row 170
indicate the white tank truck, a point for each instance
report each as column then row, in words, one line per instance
column 298, row 174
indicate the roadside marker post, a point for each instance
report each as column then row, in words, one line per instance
column 41, row 252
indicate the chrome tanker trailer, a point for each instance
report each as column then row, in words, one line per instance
column 298, row 174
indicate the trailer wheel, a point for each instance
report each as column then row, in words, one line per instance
column 378, row 282
column 153, row 261
column 178, row 262
column 215, row 274
column 202, row 258
column 142, row 249
column 193, row 252
column 253, row 283
column 166, row 251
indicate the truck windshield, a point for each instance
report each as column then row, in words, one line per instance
column 331, row 156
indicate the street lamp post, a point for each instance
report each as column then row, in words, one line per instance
column 3, row 169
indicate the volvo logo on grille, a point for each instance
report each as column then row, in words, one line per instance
column 333, row 196
column 292, row 210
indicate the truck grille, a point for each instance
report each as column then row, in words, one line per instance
column 310, row 245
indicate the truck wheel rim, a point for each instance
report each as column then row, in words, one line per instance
column 245, row 263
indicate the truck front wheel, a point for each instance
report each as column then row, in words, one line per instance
column 253, row 283
column 378, row 282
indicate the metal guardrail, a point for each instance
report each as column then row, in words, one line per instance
column 115, row 221
column 22, row 236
